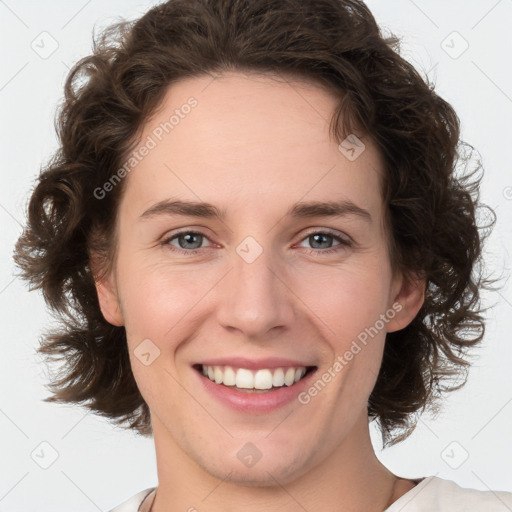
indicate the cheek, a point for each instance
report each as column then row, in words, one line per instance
column 346, row 300
column 159, row 306
column 159, row 300
column 154, row 297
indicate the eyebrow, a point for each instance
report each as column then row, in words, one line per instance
column 298, row 210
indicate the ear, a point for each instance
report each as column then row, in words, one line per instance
column 107, row 293
column 407, row 298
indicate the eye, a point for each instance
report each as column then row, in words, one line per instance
column 191, row 242
column 188, row 242
column 322, row 242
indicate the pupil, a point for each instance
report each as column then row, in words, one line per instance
column 316, row 237
column 188, row 237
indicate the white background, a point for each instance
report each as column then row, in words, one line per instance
column 99, row 466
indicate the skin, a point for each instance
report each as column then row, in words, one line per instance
column 254, row 146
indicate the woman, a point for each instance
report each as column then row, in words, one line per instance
column 255, row 233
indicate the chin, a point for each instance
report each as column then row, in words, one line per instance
column 269, row 470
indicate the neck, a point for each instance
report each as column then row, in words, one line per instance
column 351, row 475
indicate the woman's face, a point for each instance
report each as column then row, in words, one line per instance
column 258, row 287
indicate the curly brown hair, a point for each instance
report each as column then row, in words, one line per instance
column 109, row 95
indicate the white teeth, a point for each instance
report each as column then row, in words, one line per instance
column 229, row 376
column 263, row 379
column 289, row 376
column 278, row 378
column 299, row 373
column 247, row 379
column 217, row 372
column 244, row 379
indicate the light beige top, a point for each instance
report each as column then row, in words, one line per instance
column 430, row 494
column 147, row 502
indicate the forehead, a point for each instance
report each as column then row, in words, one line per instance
column 245, row 138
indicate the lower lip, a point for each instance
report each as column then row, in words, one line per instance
column 255, row 402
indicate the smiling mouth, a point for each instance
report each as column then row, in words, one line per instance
column 264, row 380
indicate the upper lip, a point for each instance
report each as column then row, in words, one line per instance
column 255, row 364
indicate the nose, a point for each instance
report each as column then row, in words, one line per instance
column 255, row 298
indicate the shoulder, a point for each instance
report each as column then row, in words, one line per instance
column 133, row 504
column 434, row 493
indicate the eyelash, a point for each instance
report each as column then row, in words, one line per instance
column 343, row 243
